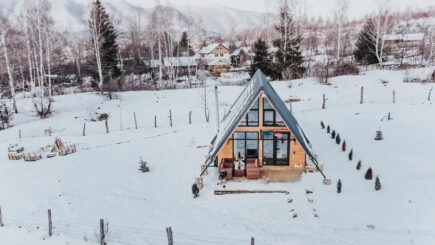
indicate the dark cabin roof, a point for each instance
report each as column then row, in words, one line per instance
column 242, row 105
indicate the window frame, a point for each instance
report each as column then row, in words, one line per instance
column 246, row 117
column 275, row 113
column 245, row 139
column 274, row 142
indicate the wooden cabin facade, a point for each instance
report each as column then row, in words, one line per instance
column 259, row 133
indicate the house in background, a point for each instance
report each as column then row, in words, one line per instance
column 216, row 58
column 259, row 137
column 241, row 57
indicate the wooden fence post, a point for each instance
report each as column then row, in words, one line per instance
column 84, row 129
column 169, row 235
column 49, row 131
column 155, row 121
column 430, row 92
column 50, row 224
column 102, row 235
column 324, row 102
column 135, row 120
column 1, row 218
column 190, row 117
column 107, row 126
column 252, row 241
column 19, row 133
column 362, row 95
column 170, row 118
column 394, row 97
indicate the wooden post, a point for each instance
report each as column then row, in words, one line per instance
column 190, row 117
column 324, row 102
column 107, row 126
column 169, row 235
column 252, row 241
column 170, row 118
column 84, row 129
column 290, row 106
column 155, row 121
column 362, row 95
column 49, row 131
column 102, row 235
column 19, row 133
column 1, row 218
column 135, row 120
column 430, row 92
column 394, row 97
column 50, row 224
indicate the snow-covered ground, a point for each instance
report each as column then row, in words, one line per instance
column 102, row 179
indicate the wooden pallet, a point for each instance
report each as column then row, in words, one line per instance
column 224, row 192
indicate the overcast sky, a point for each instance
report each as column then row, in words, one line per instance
column 323, row 8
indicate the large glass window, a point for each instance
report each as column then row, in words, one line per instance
column 275, row 148
column 270, row 116
column 251, row 118
column 245, row 145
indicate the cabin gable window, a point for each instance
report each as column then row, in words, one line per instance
column 270, row 116
column 252, row 117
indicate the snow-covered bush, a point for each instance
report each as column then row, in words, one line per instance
column 143, row 166
column 5, row 116
column 42, row 107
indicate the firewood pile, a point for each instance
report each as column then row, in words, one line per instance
column 16, row 152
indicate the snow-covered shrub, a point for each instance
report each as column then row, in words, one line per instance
column 377, row 184
column 42, row 107
column 195, row 190
column 143, row 166
column 5, row 116
column 369, row 174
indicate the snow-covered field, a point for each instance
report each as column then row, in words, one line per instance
column 102, row 179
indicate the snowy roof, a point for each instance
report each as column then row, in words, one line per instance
column 405, row 37
column 237, row 51
column 242, row 105
column 207, row 49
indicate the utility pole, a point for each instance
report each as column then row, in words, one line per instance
column 217, row 106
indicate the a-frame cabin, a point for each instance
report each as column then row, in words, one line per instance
column 259, row 133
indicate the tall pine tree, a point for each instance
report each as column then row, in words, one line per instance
column 261, row 58
column 288, row 58
column 104, row 33
column 365, row 52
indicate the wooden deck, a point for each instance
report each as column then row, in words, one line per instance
column 276, row 174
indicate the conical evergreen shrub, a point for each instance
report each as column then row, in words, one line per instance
column 328, row 129
column 358, row 166
column 369, row 174
column 322, row 125
column 343, row 146
column 339, row 186
column 351, row 155
column 338, row 139
column 377, row 184
column 333, row 134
